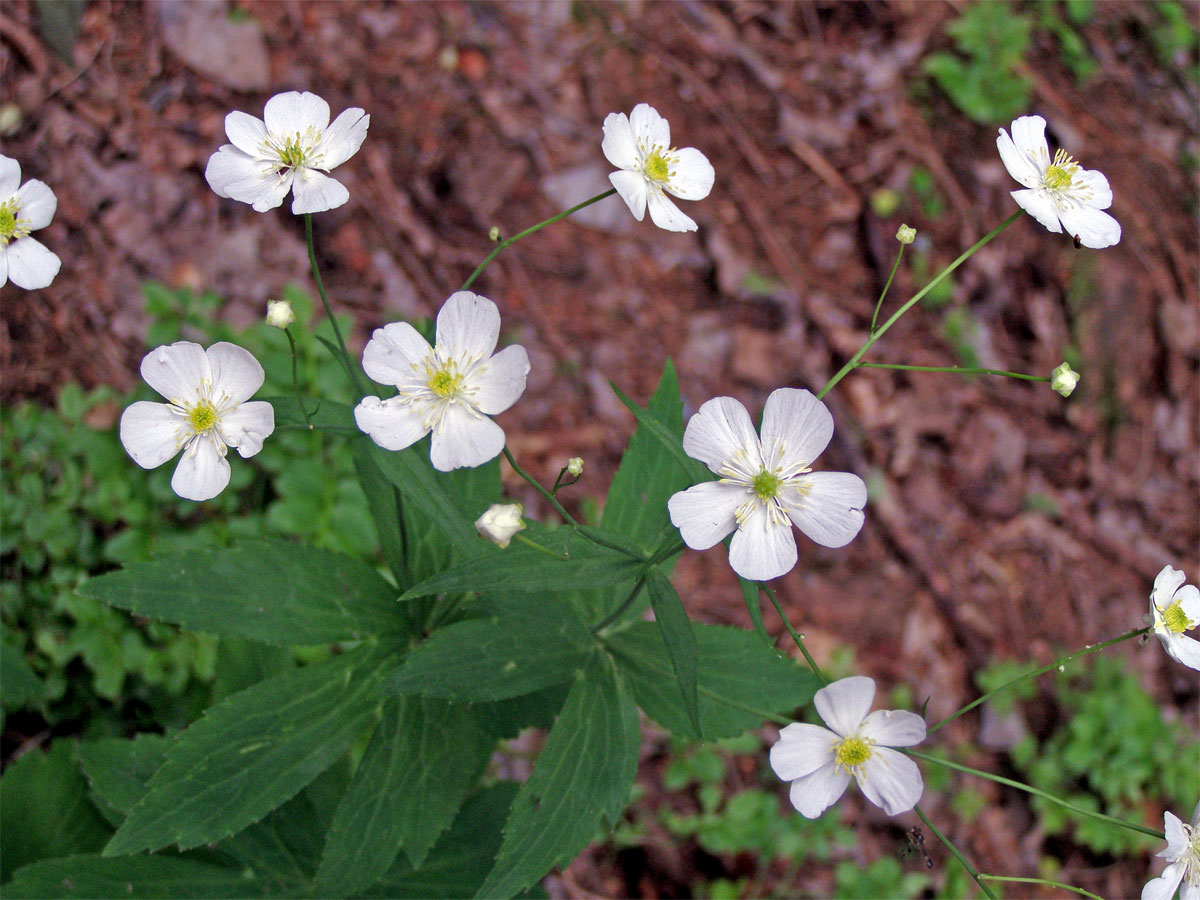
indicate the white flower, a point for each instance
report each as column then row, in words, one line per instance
column 24, row 208
column 766, row 483
column 449, row 389
column 279, row 314
column 1183, row 854
column 500, row 522
column 1059, row 192
column 290, row 148
column 819, row 762
column 208, row 412
column 640, row 145
column 1175, row 608
column 1064, row 379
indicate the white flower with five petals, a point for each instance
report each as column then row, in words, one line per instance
column 1183, row 856
column 290, row 148
column 24, row 208
column 1059, row 193
column 449, row 389
column 640, row 146
column 766, row 485
column 819, row 762
column 207, row 412
column 1175, row 608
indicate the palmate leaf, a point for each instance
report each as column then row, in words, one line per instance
column 740, row 681
column 255, row 750
column 275, row 592
column 423, row 759
column 587, row 761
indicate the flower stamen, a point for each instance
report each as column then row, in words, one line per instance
column 850, row 753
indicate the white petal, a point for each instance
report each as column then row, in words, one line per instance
column 1177, row 836
column 246, row 133
column 1040, row 207
column 1166, row 583
column 1101, row 192
column 893, row 728
column 343, row 138
column 618, row 146
column 235, row 371
column 468, row 327
column 844, row 704
column 465, row 439
column 718, row 431
column 1188, row 598
column 694, row 175
column 799, row 422
column 151, row 433
column 37, row 204
column 202, row 472
column 316, row 192
column 248, row 426
column 830, row 513
column 648, row 126
column 801, row 750
column 31, row 265
column 1018, row 164
column 631, row 187
column 10, row 177
column 177, row 370
column 1029, row 136
column 233, row 174
column 286, row 114
column 390, row 425
column 497, row 383
column 396, row 354
column 3, row 266
column 666, row 215
column 1182, row 649
column 891, row 781
column 1163, row 887
column 815, row 793
column 762, row 549
column 704, row 513
column 1095, row 229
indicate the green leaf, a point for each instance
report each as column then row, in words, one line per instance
column 410, row 471
column 44, row 811
column 694, row 470
column 252, row 752
column 675, row 628
column 573, row 782
column 384, row 503
column 505, row 719
column 567, row 561
column 326, row 415
column 423, row 758
column 275, row 592
column 750, row 595
column 281, row 850
column 740, row 681
column 19, row 685
column 119, row 771
column 167, row 877
column 534, row 643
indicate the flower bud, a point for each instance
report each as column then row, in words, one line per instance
column 279, row 314
column 575, row 466
column 500, row 523
column 1063, row 379
column 11, row 117
column 494, row 234
column 906, row 234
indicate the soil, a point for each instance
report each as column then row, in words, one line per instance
column 1005, row 522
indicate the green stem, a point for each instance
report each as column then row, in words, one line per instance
column 916, row 298
column 957, row 369
column 879, row 305
column 962, row 860
column 296, row 379
column 1034, row 674
column 797, row 638
column 503, row 245
column 1045, row 881
column 351, row 370
column 536, row 546
column 620, row 610
column 1030, row 789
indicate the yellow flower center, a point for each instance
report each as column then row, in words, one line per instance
column 292, row 153
column 446, row 381
column 656, row 168
column 1175, row 618
column 202, row 416
column 11, row 227
column 766, row 485
column 1060, row 173
column 851, row 753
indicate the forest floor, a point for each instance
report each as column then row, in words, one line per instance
column 1006, row 523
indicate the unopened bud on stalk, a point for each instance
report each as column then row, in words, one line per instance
column 1063, row 379
column 907, row 234
column 500, row 522
column 494, row 234
column 279, row 314
column 11, row 118
column 575, row 466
